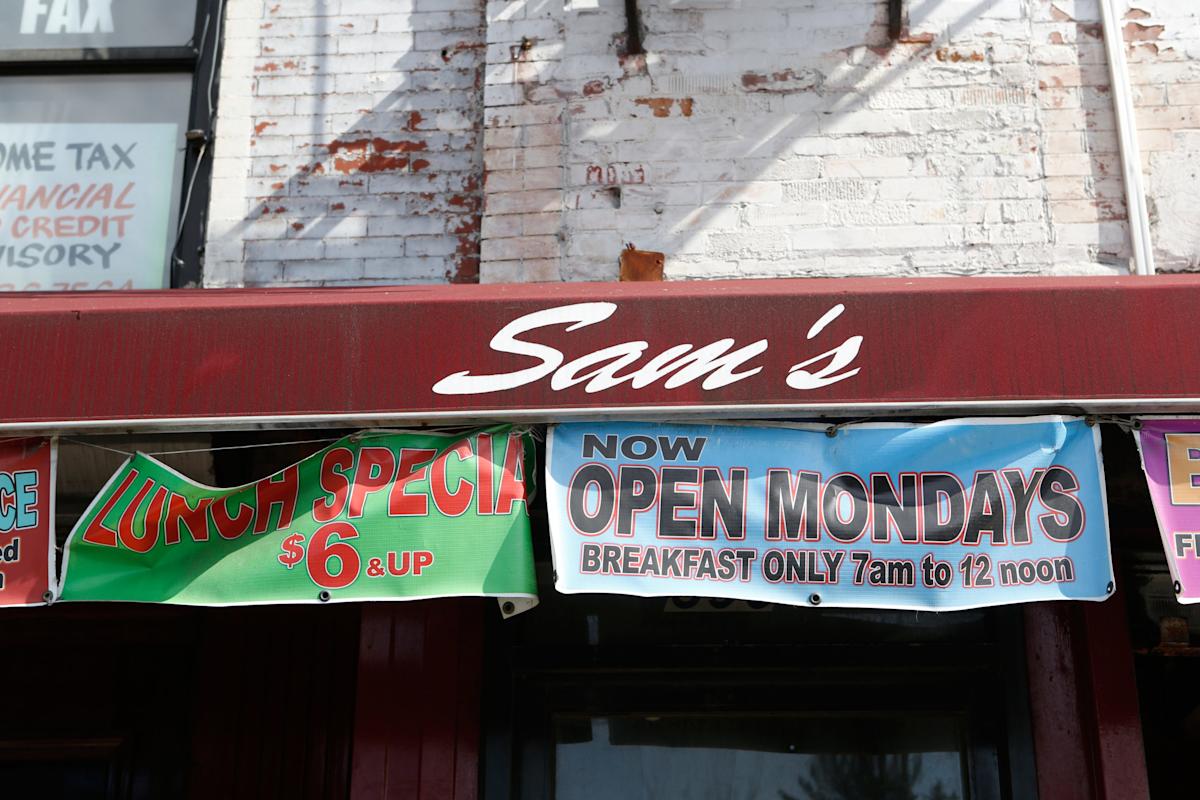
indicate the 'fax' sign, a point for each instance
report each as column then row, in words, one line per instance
column 66, row 16
column 92, row 24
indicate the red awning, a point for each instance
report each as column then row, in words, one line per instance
column 220, row 358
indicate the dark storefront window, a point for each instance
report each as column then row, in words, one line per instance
column 1166, row 641
column 605, row 696
column 742, row 756
column 96, row 163
column 116, row 701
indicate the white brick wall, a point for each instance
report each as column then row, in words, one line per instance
column 358, row 139
column 791, row 137
column 1165, row 71
column 349, row 145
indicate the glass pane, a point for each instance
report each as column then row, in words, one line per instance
column 51, row 780
column 90, row 173
column 725, row 757
column 74, row 24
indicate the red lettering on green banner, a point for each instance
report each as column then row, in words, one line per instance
column 373, row 516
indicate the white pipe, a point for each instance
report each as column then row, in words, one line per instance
column 1131, row 156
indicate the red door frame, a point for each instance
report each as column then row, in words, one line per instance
column 420, row 676
column 1083, row 701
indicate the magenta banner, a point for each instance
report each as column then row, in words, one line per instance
column 1171, row 458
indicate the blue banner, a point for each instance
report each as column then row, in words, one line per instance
column 946, row 515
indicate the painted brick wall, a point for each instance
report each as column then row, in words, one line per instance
column 357, row 139
column 1164, row 47
column 348, row 143
column 792, row 137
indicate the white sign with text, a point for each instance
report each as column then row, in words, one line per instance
column 85, row 206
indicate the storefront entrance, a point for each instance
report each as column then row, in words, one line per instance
column 592, row 695
column 605, row 697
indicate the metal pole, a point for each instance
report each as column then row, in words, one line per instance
column 895, row 19
column 1131, row 157
column 633, row 32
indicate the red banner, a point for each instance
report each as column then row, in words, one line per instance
column 26, row 521
column 790, row 348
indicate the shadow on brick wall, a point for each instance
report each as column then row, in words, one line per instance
column 366, row 158
column 821, row 146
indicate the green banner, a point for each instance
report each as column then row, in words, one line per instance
column 374, row 516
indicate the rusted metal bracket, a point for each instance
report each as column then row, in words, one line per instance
column 633, row 29
column 895, row 18
column 641, row 265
